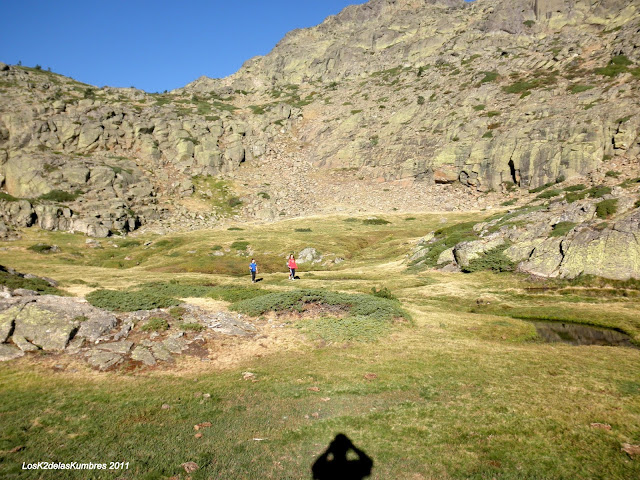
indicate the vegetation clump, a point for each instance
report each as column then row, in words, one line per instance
column 155, row 324
column 375, row 221
column 60, row 196
column 562, row 228
column 14, row 281
column 494, row 260
column 446, row 238
column 43, row 248
column 606, row 208
column 358, row 305
column 129, row 301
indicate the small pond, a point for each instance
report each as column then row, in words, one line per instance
column 576, row 334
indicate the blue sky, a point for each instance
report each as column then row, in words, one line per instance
column 154, row 46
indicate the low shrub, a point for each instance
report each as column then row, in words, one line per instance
column 13, row 281
column 606, row 208
column 232, row 293
column 383, row 292
column 599, row 191
column 375, row 221
column 235, row 229
column 8, row 198
column 574, row 188
column 177, row 312
column 240, row 245
column 155, row 324
column 60, row 196
column 175, row 290
column 494, row 260
column 613, row 173
column 541, row 187
column 630, row 182
column 43, row 248
column 192, row 326
column 562, row 228
column 303, row 230
column 350, row 329
column 129, row 301
column 358, row 305
column 574, row 196
column 549, row 194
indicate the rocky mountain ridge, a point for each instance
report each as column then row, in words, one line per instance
column 390, row 105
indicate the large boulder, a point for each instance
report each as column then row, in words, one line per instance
column 40, row 327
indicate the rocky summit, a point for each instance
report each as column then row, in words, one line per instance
column 392, row 105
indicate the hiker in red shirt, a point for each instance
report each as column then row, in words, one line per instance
column 292, row 267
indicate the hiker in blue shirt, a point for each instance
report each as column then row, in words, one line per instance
column 253, row 266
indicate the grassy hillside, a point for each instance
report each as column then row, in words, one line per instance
column 462, row 390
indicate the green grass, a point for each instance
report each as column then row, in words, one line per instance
column 463, row 391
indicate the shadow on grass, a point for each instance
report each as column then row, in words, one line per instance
column 337, row 462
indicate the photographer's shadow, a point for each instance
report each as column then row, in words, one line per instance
column 338, row 462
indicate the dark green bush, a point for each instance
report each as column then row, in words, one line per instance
column 579, row 88
column 8, row 198
column 607, row 208
column 630, row 182
column 41, row 248
column 375, row 221
column 612, row 173
column 295, row 300
column 445, row 238
column 599, row 191
column 303, row 230
column 192, row 326
column 234, row 202
column 617, row 65
column 541, row 187
column 175, row 290
column 232, row 293
column 177, row 312
column 129, row 301
column 574, row 188
column 572, row 197
column 240, row 245
column 155, row 324
column 562, row 228
column 494, row 260
column 237, row 229
column 489, row 77
column 384, row 292
column 14, row 281
column 60, row 196
column 549, row 194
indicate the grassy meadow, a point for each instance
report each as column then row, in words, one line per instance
column 458, row 388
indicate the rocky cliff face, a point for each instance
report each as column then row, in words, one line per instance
column 410, row 93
